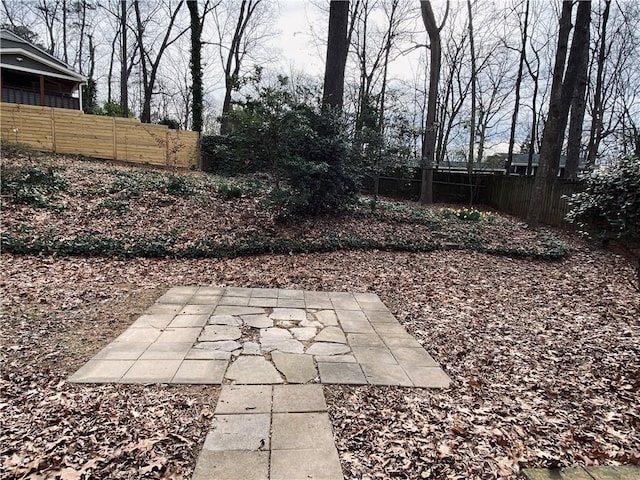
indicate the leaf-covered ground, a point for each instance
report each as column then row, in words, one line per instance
column 63, row 205
column 544, row 357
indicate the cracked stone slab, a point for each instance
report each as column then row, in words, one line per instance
column 235, row 310
column 253, row 370
column 296, row 368
column 156, row 321
column 225, row 345
column 163, row 309
column 335, row 358
column 216, row 333
column 328, row 349
column 286, row 345
column 207, row 354
column 304, row 333
column 275, row 333
column 260, row 320
column 311, row 324
column 251, row 348
column 244, row 399
column 248, row 431
column 186, row 321
column 328, row 318
column 297, row 314
column 331, row 335
column 225, row 320
column 384, row 374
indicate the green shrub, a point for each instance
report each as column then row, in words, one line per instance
column 279, row 131
column 36, row 185
column 180, row 185
column 228, row 191
column 609, row 206
column 129, row 185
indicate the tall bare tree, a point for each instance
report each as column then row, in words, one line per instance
column 562, row 91
column 524, row 27
column 337, row 49
column 236, row 51
column 431, row 128
column 150, row 65
column 597, row 110
column 125, row 70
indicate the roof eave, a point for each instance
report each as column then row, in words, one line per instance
column 66, row 72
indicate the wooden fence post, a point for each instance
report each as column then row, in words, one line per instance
column 53, row 130
column 166, row 147
column 115, row 139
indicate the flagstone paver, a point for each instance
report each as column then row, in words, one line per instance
column 253, row 370
column 239, row 431
column 232, row 465
column 296, row 368
column 341, row 373
column 298, row 398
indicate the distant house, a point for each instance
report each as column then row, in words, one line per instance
column 521, row 160
column 31, row 76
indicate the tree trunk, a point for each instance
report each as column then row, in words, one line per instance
column 562, row 92
column 234, row 58
column 429, row 143
column 472, row 121
column 337, row 48
column 596, row 120
column 149, row 67
column 196, row 65
column 124, row 72
column 516, row 107
column 576, row 121
column 65, row 48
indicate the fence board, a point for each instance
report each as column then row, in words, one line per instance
column 72, row 131
column 512, row 195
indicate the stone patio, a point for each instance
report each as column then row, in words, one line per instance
column 270, row 349
column 254, row 336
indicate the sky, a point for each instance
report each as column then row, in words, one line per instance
column 296, row 39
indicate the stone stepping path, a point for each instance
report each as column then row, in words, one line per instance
column 262, row 432
column 269, row 349
column 209, row 335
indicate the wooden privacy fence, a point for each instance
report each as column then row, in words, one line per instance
column 512, row 195
column 508, row 194
column 72, row 131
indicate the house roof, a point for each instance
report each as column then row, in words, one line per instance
column 18, row 54
column 522, row 159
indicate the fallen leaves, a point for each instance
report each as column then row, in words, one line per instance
column 544, row 357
